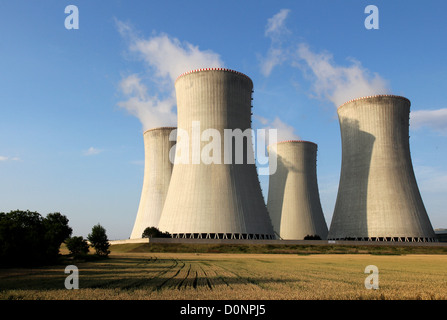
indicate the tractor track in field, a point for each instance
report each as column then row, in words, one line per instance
column 195, row 275
column 185, row 278
column 208, row 282
column 176, row 274
column 241, row 278
column 160, row 286
column 128, row 284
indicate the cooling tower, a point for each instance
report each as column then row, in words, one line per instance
column 378, row 197
column 157, row 174
column 293, row 199
column 222, row 198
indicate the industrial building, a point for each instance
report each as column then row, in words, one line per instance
column 220, row 199
column 293, row 198
column 157, row 175
column 378, row 197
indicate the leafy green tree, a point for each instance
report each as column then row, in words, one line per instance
column 77, row 246
column 98, row 240
column 28, row 239
column 21, row 237
column 56, row 231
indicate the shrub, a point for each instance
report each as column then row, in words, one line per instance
column 153, row 232
column 77, row 246
column 312, row 237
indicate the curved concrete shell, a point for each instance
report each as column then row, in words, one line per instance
column 378, row 197
column 217, row 199
column 293, row 198
column 157, row 175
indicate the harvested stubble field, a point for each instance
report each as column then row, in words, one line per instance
column 233, row 276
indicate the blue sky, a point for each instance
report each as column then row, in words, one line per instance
column 74, row 103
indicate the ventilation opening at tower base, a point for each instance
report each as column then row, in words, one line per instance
column 390, row 239
column 235, row 236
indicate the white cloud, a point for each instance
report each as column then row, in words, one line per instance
column 92, row 151
column 336, row 83
column 165, row 59
column 150, row 110
column 329, row 81
column 275, row 30
column 169, row 57
column 435, row 120
column 284, row 131
column 276, row 24
column 262, row 120
column 132, row 85
column 275, row 56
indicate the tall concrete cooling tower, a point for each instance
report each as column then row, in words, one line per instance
column 378, row 197
column 293, row 198
column 222, row 199
column 157, row 175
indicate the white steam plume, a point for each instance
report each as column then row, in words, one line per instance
column 165, row 59
column 283, row 130
column 339, row 84
column 329, row 81
column 275, row 30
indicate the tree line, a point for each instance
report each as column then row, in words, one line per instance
column 28, row 239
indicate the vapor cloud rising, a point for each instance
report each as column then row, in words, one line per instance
column 165, row 58
column 283, row 130
column 335, row 83
column 329, row 81
column 275, row 30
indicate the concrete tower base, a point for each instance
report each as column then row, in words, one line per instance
column 217, row 199
column 378, row 197
column 293, row 198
